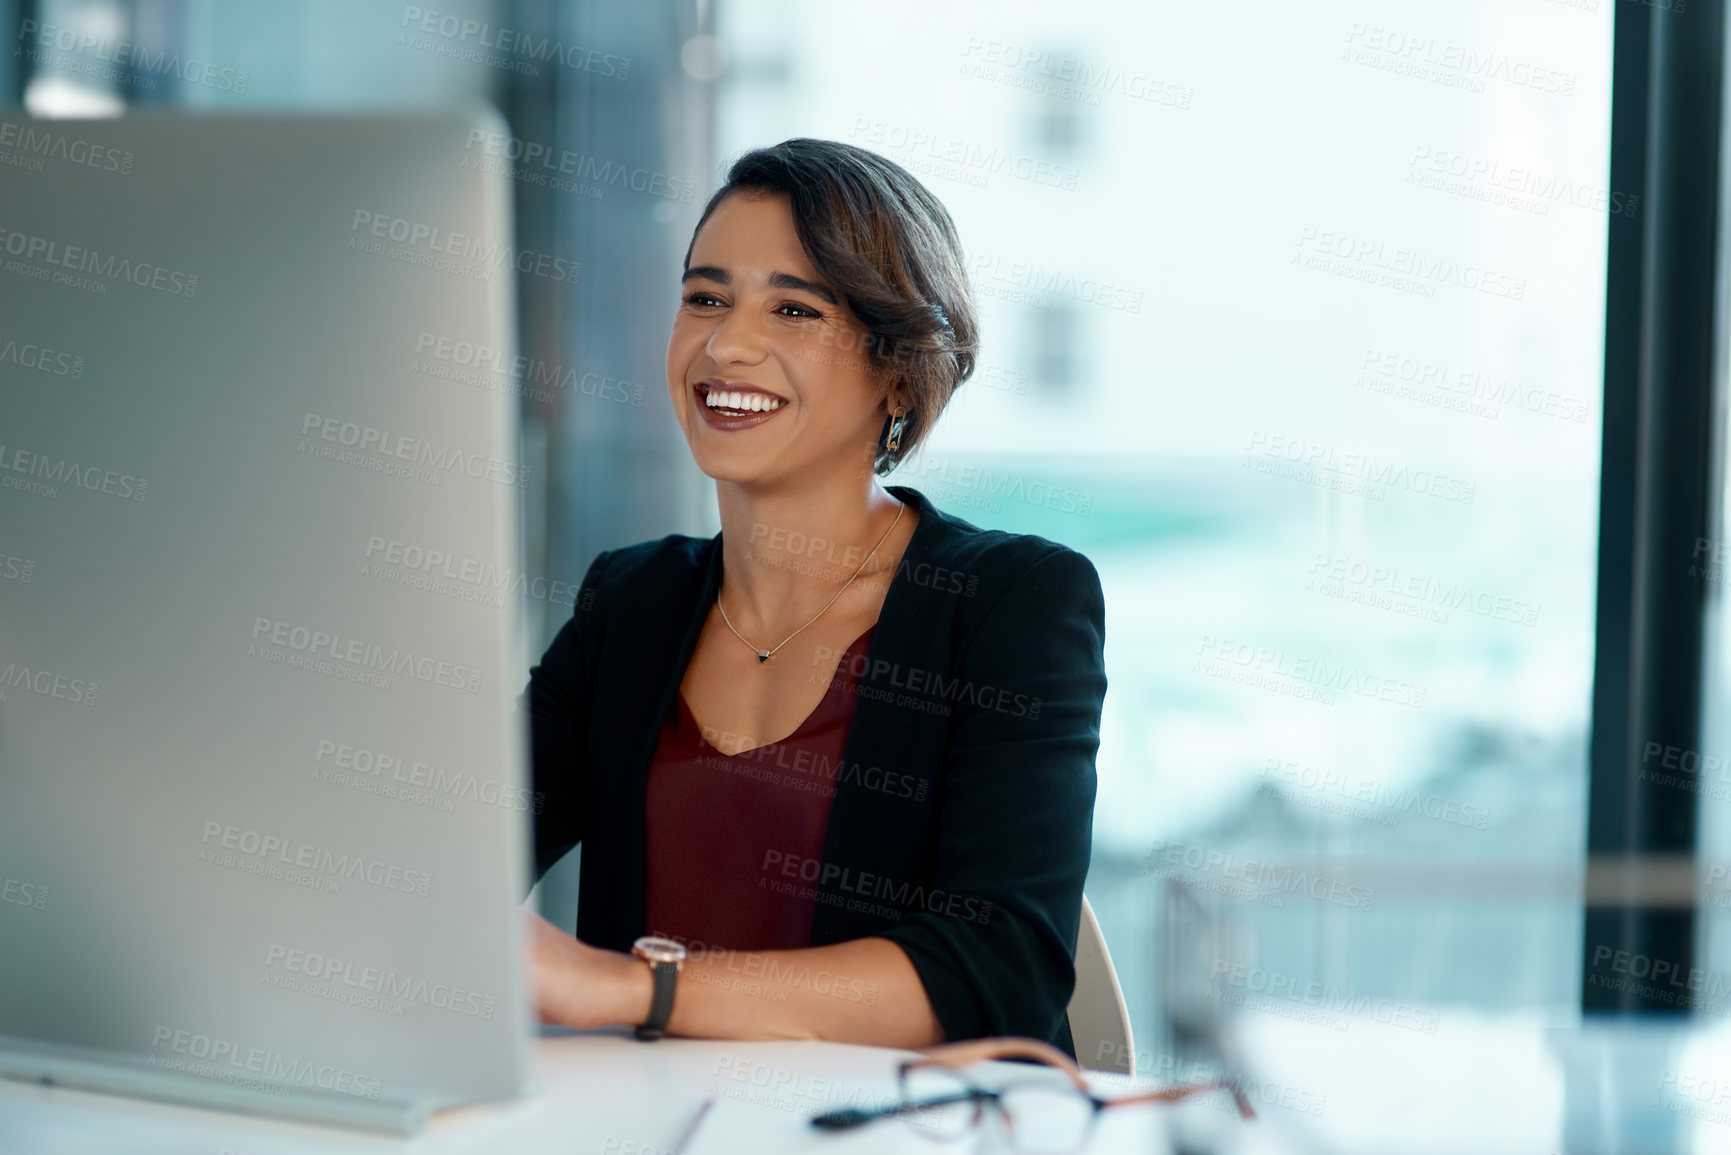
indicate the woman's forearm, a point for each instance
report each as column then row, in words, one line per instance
column 863, row 991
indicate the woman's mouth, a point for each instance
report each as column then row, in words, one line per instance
column 732, row 405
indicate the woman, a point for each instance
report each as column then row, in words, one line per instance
column 844, row 751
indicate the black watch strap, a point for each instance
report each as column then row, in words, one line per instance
column 661, row 1006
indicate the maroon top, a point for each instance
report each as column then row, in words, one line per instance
column 730, row 836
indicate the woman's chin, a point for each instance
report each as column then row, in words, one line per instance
column 734, row 468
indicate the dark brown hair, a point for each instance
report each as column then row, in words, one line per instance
column 887, row 245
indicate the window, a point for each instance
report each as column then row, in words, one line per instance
column 1334, row 448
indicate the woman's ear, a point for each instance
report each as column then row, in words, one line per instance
column 899, row 396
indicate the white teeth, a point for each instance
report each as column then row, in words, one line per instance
column 745, row 402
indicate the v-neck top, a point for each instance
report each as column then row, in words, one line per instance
column 735, row 842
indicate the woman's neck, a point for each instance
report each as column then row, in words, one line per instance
column 787, row 553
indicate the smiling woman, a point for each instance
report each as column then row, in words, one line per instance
column 846, row 800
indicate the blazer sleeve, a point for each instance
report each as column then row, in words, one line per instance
column 996, row 950
column 559, row 694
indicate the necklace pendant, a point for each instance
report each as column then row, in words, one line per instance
column 762, row 656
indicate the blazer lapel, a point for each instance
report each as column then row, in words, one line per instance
column 870, row 829
column 635, row 843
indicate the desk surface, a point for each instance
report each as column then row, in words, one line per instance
column 599, row 1093
column 1476, row 1085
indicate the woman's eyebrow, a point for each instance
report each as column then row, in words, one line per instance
column 789, row 281
column 708, row 273
column 777, row 280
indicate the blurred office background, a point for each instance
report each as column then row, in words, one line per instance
column 1294, row 323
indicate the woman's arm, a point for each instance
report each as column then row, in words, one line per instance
column 1015, row 832
column 864, row 991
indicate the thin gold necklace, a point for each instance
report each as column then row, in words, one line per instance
column 764, row 655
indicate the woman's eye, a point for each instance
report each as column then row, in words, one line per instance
column 702, row 298
column 800, row 310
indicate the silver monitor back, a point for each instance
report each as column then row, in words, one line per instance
column 262, row 785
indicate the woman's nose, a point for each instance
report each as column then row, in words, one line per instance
column 736, row 337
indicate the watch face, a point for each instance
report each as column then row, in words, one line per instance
column 658, row 950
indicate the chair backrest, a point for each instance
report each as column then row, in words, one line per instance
column 1099, row 1018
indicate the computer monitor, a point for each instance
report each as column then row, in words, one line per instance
column 263, row 803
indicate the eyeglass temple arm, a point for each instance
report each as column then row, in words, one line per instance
column 955, row 1055
column 1174, row 1094
column 958, row 1055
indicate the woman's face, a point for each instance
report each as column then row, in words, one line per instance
column 774, row 348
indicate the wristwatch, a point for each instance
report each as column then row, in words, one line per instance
column 665, row 958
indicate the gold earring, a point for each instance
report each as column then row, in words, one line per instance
column 897, row 424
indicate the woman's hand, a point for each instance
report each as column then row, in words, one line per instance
column 580, row 986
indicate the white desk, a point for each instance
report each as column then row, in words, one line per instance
column 1478, row 1085
column 598, row 1094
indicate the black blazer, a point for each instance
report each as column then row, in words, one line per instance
column 964, row 802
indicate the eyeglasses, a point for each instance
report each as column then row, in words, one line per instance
column 1048, row 1111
